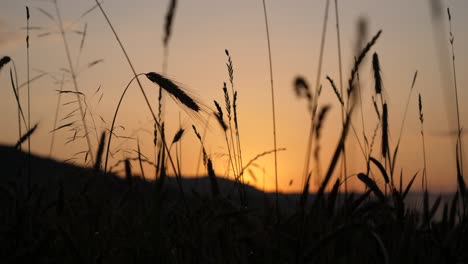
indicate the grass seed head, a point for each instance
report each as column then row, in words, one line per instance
column 377, row 76
column 4, row 61
column 174, row 90
column 178, row 136
column 421, row 115
column 168, row 22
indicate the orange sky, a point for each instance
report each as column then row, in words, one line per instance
column 202, row 30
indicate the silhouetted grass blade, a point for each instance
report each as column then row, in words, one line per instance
column 212, row 177
column 408, row 187
column 381, row 169
column 26, row 136
column 372, row 185
column 100, row 151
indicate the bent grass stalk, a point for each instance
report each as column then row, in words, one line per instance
column 138, row 81
column 161, row 130
column 111, row 131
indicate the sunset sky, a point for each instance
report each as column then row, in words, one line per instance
column 413, row 38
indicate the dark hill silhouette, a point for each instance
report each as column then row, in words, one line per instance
column 47, row 175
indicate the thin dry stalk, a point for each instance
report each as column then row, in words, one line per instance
column 140, row 161
column 317, row 83
column 364, row 135
column 168, row 24
column 230, row 144
column 82, row 42
column 209, row 166
column 338, row 37
column 75, row 81
column 251, row 162
column 27, row 70
column 236, row 147
column 459, row 138
column 421, row 120
column 318, row 128
column 403, row 121
column 231, row 152
column 201, row 149
column 406, row 107
column 29, row 98
column 56, row 115
column 179, row 148
column 335, row 90
column 362, row 31
column 16, row 90
column 342, row 103
column 272, row 104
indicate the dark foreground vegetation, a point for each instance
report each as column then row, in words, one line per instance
column 76, row 215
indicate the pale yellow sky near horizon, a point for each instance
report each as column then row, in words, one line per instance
column 201, row 32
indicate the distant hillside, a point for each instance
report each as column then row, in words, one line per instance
column 49, row 174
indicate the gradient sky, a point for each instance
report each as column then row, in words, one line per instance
column 202, row 30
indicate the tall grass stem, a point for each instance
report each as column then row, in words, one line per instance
column 272, row 103
column 454, row 70
column 338, row 37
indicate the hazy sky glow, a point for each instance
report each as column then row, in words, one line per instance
column 202, row 31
